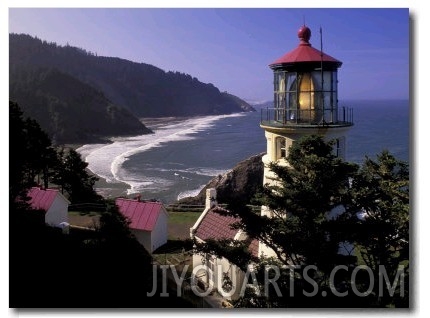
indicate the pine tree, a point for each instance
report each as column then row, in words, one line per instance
column 31, row 154
column 310, row 187
column 378, row 219
column 302, row 230
column 73, row 177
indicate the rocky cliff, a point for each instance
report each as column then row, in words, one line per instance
column 243, row 181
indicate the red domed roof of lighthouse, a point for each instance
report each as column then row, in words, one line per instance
column 304, row 53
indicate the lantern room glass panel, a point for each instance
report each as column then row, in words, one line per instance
column 291, row 97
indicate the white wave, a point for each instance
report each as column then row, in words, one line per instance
column 147, row 185
column 198, row 171
column 207, row 171
column 190, row 193
column 106, row 160
column 100, row 157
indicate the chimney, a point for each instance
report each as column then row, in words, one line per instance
column 210, row 198
column 138, row 197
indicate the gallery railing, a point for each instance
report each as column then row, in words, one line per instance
column 343, row 116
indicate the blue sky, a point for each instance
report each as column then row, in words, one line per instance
column 232, row 47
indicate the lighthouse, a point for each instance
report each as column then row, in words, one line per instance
column 305, row 103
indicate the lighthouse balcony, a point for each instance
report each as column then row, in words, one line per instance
column 303, row 118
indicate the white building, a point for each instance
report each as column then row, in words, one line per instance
column 53, row 203
column 148, row 221
column 212, row 225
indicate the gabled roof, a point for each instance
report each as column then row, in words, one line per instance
column 217, row 226
column 42, row 199
column 143, row 215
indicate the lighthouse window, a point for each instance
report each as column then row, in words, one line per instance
column 281, row 148
column 291, row 97
column 280, row 88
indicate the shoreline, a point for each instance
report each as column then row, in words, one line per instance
column 106, row 189
column 110, row 190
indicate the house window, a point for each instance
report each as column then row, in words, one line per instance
column 211, row 269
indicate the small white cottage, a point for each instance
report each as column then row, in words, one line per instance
column 52, row 202
column 215, row 226
column 148, row 221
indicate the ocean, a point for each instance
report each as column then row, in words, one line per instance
column 184, row 154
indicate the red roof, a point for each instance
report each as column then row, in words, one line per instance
column 304, row 52
column 42, row 199
column 216, row 226
column 142, row 215
column 253, row 247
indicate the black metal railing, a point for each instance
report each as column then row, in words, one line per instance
column 279, row 117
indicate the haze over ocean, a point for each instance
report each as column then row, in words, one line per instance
column 184, row 154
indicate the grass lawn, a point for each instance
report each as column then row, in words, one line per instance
column 179, row 224
column 183, row 217
column 176, row 251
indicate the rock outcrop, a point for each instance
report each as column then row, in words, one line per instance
column 242, row 182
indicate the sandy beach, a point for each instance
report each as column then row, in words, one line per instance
column 105, row 189
column 118, row 189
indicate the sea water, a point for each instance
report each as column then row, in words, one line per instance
column 184, row 154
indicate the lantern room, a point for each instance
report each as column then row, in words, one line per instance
column 305, row 88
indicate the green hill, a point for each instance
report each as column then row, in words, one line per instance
column 68, row 110
column 143, row 89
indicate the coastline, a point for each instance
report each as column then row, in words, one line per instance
column 110, row 190
column 106, row 189
column 170, row 129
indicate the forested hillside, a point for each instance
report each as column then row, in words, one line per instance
column 69, row 110
column 143, row 89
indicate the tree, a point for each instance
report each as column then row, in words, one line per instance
column 73, row 177
column 43, row 156
column 31, row 153
column 17, row 155
column 310, row 187
column 378, row 217
column 34, row 160
column 95, row 264
column 372, row 204
column 302, row 230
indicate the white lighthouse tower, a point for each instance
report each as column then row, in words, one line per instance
column 305, row 103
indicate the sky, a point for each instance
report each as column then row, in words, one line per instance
column 232, row 47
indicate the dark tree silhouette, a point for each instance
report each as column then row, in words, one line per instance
column 319, row 204
column 74, row 178
column 378, row 219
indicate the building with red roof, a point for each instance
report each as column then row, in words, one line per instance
column 52, row 202
column 148, row 221
column 218, row 226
